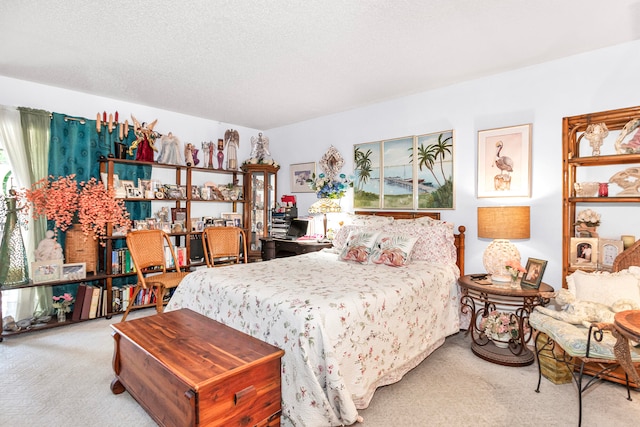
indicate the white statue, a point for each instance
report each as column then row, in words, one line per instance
column 170, row 150
column 260, row 147
column 49, row 249
column 232, row 141
column 596, row 133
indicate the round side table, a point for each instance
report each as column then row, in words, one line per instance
column 480, row 297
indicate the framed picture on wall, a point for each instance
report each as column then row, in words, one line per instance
column 504, row 162
column 300, row 173
column 584, row 252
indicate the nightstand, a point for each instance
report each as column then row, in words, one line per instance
column 480, row 297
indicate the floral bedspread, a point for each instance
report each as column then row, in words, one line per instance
column 346, row 328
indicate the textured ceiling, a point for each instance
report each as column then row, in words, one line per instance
column 264, row 64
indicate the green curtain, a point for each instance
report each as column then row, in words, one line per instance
column 76, row 147
column 35, row 133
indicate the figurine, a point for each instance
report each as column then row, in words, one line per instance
column 232, row 141
column 170, row 150
column 48, row 248
column 188, row 154
column 596, row 133
column 220, row 153
column 145, row 139
column 205, row 150
column 260, row 147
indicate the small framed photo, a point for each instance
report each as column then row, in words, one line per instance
column 234, row 217
column 218, row 222
column 46, row 271
column 75, row 271
column 300, row 173
column 144, row 185
column 608, row 250
column 533, row 276
column 134, row 193
column 195, row 193
column 183, row 192
column 165, row 226
column 126, row 184
column 179, row 214
column 229, row 223
column 584, row 252
column 199, row 226
column 504, row 162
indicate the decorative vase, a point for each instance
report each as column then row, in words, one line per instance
column 62, row 315
column 14, row 270
column 501, row 340
column 515, row 282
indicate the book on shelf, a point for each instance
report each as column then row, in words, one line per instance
column 95, row 300
column 77, row 305
column 86, row 304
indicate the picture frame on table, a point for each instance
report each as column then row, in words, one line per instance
column 74, row 271
column 533, row 276
column 134, row 193
column 504, row 162
column 127, row 184
column 145, row 185
column 584, row 252
column 300, row 173
column 608, row 250
column 46, row 271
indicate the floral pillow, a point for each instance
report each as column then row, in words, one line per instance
column 435, row 238
column 392, row 249
column 358, row 245
column 375, row 221
column 342, row 234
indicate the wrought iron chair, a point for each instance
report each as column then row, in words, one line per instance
column 224, row 245
column 147, row 248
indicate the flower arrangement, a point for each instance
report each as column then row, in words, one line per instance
column 63, row 302
column 514, row 268
column 588, row 218
column 499, row 323
column 89, row 204
column 330, row 188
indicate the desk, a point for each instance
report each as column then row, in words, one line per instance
column 480, row 299
column 280, row 248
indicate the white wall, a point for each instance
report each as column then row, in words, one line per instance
column 541, row 95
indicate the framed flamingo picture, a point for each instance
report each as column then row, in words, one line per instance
column 504, row 162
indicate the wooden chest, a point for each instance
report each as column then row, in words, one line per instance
column 188, row 370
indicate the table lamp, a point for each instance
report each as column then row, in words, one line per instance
column 324, row 206
column 502, row 223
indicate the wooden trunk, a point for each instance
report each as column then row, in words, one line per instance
column 553, row 370
column 188, row 370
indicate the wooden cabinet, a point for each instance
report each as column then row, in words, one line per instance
column 260, row 195
column 202, row 374
column 582, row 164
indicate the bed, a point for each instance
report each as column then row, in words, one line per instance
column 346, row 327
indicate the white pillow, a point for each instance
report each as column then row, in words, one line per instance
column 604, row 287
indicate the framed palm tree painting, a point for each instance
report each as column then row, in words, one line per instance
column 407, row 173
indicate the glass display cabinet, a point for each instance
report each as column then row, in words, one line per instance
column 260, row 200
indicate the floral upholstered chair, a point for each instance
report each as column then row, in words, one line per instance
column 583, row 328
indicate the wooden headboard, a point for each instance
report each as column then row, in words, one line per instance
column 458, row 238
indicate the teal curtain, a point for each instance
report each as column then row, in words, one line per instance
column 35, row 133
column 76, row 148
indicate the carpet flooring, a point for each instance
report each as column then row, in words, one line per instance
column 61, row 377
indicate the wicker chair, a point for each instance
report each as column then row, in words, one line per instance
column 222, row 246
column 589, row 351
column 147, row 248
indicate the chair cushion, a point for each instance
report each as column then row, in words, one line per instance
column 573, row 338
column 604, row 287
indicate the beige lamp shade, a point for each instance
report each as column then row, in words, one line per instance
column 502, row 223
